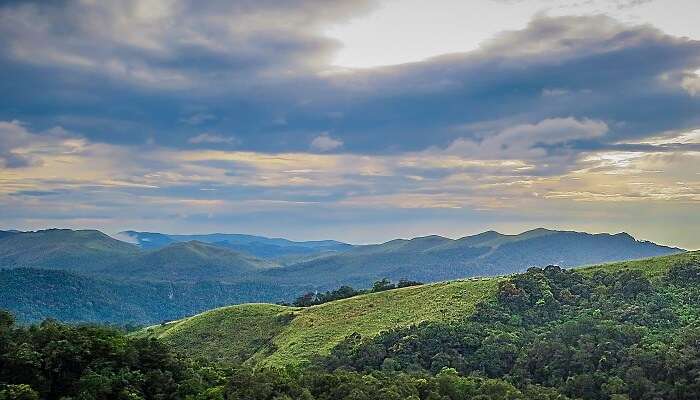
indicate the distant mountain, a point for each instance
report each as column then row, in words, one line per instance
column 258, row 246
column 35, row 294
column 428, row 258
column 105, row 271
column 84, row 250
column 92, row 252
column 190, row 261
column 433, row 258
column 7, row 233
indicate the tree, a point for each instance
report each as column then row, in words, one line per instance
column 384, row 284
column 18, row 392
column 6, row 319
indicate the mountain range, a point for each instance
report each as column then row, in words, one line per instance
column 258, row 246
column 231, row 268
column 436, row 258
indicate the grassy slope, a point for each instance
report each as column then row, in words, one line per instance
column 652, row 267
column 316, row 330
column 265, row 334
column 231, row 333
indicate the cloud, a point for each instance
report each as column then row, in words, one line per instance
column 119, row 187
column 240, row 75
column 20, row 148
column 554, row 92
column 622, row 4
column 198, row 118
column 155, row 43
column 691, row 83
column 212, row 138
column 324, row 142
column 126, row 237
column 528, row 141
column 12, row 136
column 572, row 108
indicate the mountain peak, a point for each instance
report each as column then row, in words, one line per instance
column 625, row 235
column 430, row 238
column 539, row 230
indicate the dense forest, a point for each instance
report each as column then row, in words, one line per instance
column 36, row 294
column 588, row 336
column 547, row 334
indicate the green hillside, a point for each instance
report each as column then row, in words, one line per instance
column 273, row 335
column 83, row 250
column 651, row 267
column 246, row 329
column 270, row 334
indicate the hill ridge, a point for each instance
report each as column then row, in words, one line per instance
column 299, row 334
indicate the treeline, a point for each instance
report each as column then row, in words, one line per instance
column 62, row 362
column 548, row 334
column 312, row 384
column 315, row 298
column 605, row 336
column 58, row 361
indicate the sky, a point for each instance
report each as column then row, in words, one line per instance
column 356, row 120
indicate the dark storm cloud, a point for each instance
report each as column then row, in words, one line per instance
column 169, row 73
column 585, row 67
column 159, row 64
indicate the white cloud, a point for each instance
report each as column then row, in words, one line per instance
column 554, row 92
column 198, row 118
column 21, row 148
column 213, row 138
column 691, row 83
column 126, row 237
column 138, row 41
column 526, row 141
column 158, row 185
column 324, row 142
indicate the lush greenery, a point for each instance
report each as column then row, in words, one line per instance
column 230, row 334
column 56, row 361
column 344, row 292
column 601, row 335
column 309, row 384
column 36, row 294
column 314, row 331
column 627, row 331
column 221, row 272
column 301, row 334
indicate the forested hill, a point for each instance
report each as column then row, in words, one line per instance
column 427, row 259
column 105, row 270
column 625, row 331
column 83, row 250
column 36, row 294
column 435, row 258
column 277, row 334
column 96, row 254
